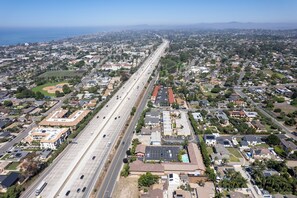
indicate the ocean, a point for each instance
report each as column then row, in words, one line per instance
column 14, row 36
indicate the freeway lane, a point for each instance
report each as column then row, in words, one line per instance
column 112, row 129
column 109, row 181
column 66, row 170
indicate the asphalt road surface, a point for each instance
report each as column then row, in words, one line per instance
column 75, row 171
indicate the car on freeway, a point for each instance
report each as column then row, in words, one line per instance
column 67, row 193
column 104, row 135
column 93, row 157
column 78, row 190
column 104, row 117
column 84, row 189
column 82, row 176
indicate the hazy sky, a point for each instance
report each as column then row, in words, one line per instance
column 15, row 13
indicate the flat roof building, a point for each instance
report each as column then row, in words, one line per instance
column 162, row 153
column 48, row 137
column 167, row 128
column 59, row 118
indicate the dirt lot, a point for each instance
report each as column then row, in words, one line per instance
column 285, row 107
column 126, row 187
column 53, row 89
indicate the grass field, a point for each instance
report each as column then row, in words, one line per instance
column 12, row 166
column 61, row 73
column 40, row 88
column 6, row 156
column 234, row 159
column 209, row 150
column 235, row 152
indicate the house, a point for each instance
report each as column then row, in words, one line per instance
column 262, row 153
column 197, row 116
column 222, row 117
column 233, row 97
column 7, row 181
column 237, row 114
column 155, row 138
column 258, row 126
column 270, row 172
column 244, row 145
column 140, row 150
column 252, row 140
column 224, row 141
column 288, row 146
column 239, row 103
column 172, row 183
column 250, row 114
column 221, row 154
column 203, row 103
column 210, row 140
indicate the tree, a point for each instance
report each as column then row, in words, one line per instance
column 66, row 89
column 233, row 179
column 216, row 89
column 273, row 140
column 147, row 179
column 290, row 122
column 13, row 192
column 294, row 102
column 125, row 172
column 277, row 110
column 7, row 103
column 59, row 94
column 39, row 95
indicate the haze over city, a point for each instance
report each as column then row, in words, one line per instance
column 69, row 13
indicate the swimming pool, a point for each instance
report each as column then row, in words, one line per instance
column 185, row 158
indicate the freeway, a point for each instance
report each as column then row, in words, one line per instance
column 74, row 172
column 108, row 184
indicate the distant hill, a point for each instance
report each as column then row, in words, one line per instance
column 230, row 25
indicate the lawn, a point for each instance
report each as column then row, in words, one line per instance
column 6, row 156
column 12, row 166
column 263, row 145
column 209, row 150
column 234, row 152
column 61, row 73
column 234, row 159
column 40, row 88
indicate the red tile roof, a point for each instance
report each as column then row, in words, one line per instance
column 170, row 95
column 156, row 90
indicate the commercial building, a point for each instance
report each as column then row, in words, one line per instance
column 196, row 165
column 60, row 118
column 162, row 153
column 48, row 137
